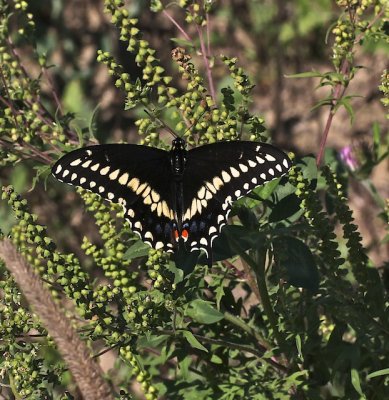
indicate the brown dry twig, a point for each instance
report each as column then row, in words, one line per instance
column 86, row 372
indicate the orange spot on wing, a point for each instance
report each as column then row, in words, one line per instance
column 185, row 234
column 176, row 235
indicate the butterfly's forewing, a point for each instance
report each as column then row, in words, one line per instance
column 218, row 174
column 137, row 177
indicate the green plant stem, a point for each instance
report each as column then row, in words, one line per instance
column 13, row 388
column 265, row 299
column 251, row 331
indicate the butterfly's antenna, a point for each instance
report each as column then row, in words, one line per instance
column 166, row 126
column 195, row 122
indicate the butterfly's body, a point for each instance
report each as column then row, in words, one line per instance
column 178, row 162
column 174, row 197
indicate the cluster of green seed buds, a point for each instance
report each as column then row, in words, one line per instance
column 384, row 87
column 156, row 269
column 26, row 371
column 244, row 86
column 317, row 218
column 196, row 11
column 142, row 376
column 55, row 267
column 23, row 119
column 153, row 72
column 241, row 80
column 357, row 256
column 111, row 258
column 195, row 101
column 136, row 93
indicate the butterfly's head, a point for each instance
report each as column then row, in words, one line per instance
column 178, row 144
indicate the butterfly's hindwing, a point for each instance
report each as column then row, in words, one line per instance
column 126, row 174
column 216, row 175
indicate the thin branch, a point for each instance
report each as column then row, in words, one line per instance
column 206, row 63
column 53, row 91
column 337, row 95
column 208, row 34
column 179, row 27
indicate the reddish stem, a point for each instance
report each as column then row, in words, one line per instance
column 337, row 94
column 179, row 27
column 206, row 62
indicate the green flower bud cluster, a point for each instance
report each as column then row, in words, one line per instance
column 111, row 258
column 357, row 256
column 384, row 87
column 136, row 93
column 22, row 120
column 142, row 376
column 344, row 33
column 156, row 270
column 153, row 73
column 26, row 24
column 15, row 320
column 144, row 311
column 18, row 357
column 243, row 85
column 195, row 101
column 156, row 5
column 149, row 129
column 27, row 371
column 318, row 220
column 241, row 80
column 53, row 266
column 195, row 11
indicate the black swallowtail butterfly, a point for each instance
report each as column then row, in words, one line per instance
column 176, row 196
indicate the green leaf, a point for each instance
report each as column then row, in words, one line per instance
column 193, row 341
column 295, row 256
column 348, row 107
column 19, row 177
column 298, row 346
column 266, row 190
column 42, row 171
column 183, row 42
column 380, row 372
column 216, row 359
column 286, row 208
column 138, row 249
column 324, row 102
column 203, row 312
column 225, row 246
column 308, row 74
column 356, row 382
column 185, row 364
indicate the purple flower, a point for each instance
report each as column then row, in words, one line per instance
column 347, row 155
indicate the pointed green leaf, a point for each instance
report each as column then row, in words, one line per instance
column 380, row 372
column 296, row 257
column 203, row 312
column 193, row 341
column 138, row 249
column 356, row 382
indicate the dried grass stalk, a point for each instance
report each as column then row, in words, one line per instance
column 86, row 372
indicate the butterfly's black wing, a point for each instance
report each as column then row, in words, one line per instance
column 218, row 174
column 137, row 177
